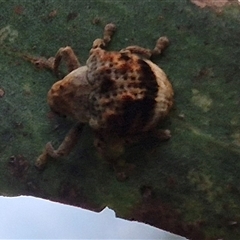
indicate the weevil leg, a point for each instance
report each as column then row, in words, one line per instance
column 52, row 63
column 108, row 32
column 40, row 62
column 64, row 149
column 68, row 55
column 161, row 44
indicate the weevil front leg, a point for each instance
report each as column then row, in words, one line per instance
column 108, row 32
column 52, row 63
column 64, row 149
column 161, row 44
column 40, row 62
column 68, row 55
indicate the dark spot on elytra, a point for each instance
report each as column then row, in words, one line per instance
column 133, row 78
column 127, row 98
column 123, row 70
column 106, row 84
column 114, row 93
column 133, row 85
column 124, row 56
column 93, row 98
column 125, row 77
column 96, row 105
column 116, row 73
column 121, row 86
column 107, row 95
column 108, row 71
column 134, row 116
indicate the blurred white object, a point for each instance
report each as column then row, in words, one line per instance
column 34, row 218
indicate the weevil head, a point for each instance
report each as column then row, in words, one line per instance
column 69, row 96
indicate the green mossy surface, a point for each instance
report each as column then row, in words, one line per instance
column 194, row 176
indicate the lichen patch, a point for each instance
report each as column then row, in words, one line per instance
column 201, row 100
column 8, row 34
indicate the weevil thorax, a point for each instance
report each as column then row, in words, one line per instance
column 129, row 94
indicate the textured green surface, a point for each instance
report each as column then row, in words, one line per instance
column 189, row 185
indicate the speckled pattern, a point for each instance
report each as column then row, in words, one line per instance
column 129, row 94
